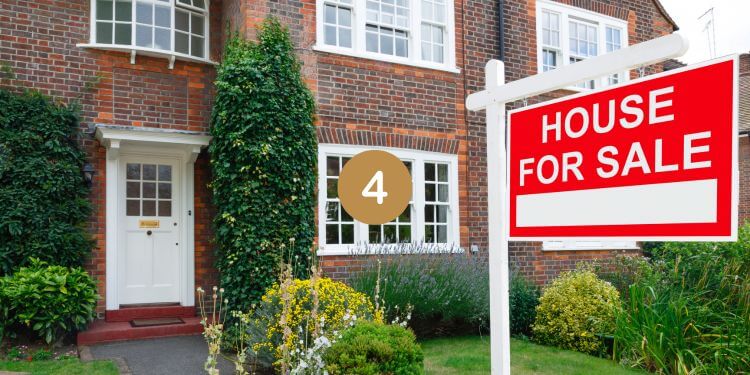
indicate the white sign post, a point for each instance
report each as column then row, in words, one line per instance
column 493, row 99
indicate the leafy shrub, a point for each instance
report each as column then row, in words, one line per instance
column 263, row 158
column 447, row 292
column 622, row 271
column 50, row 300
column 694, row 318
column 575, row 310
column 371, row 348
column 524, row 298
column 337, row 301
column 42, row 191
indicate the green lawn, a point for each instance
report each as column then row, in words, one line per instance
column 62, row 367
column 471, row 355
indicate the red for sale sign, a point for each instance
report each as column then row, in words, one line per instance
column 653, row 159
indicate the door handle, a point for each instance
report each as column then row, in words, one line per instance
column 148, row 232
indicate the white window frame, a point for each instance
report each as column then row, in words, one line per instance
column 567, row 13
column 170, row 54
column 414, row 43
column 361, row 234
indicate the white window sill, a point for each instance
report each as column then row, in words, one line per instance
column 394, row 249
column 385, row 58
column 546, row 248
column 134, row 51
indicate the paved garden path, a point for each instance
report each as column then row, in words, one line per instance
column 184, row 355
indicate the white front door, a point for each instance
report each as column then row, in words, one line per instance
column 149, row 263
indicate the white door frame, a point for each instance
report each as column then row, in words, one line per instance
column 127, row 141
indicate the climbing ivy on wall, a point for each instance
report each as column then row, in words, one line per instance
column 263, row 158
column 43, row 196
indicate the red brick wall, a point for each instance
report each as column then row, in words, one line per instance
column 38, row 42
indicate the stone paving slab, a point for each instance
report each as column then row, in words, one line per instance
column 184, row 355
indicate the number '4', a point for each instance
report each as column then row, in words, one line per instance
column 376, row 180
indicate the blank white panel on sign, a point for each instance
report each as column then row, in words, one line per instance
column 667, row 203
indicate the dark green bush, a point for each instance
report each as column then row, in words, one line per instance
column 622, row 271
column 449, row 293
column 49, row 300
column 42, row 191
column 695, row 317
column 263, row 157
column 372, row 348
column 524, row 298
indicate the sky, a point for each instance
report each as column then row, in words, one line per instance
column 731, row 25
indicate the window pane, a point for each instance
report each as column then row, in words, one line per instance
column 163, row 16
column 181, row 43
column 162, row 39
column 442, row 172
column 143, row 36
column 165, row 208
column 332, row 186
column 386, row 44
column 123, row 33
column 182, row 21
column 401, row 47
column 345, row 17
column 374, row 233
column 429, row 233
column 429, row 213
column 133, row 207
column 149, row 172
column 165, row 191
column 371, row 39
column 332, row 166
column 149, row 190
column 442, row 214
column 426, row 51
column 199, row 3
column 196, row 46
column 429, row 192
column 330, row 14
column 165, row 173
column 332, row 234
column 345, row 215
column 104, row 10
column 404, row 233
column 347, row 233
column 405, row 216
column 429, row 172
column 133, row 189
column 143, row 13
column 133, row 171
column 389, row 234
column 197, row 24
column 442, row 233
column 104, row 32
column 443, row 193
column 149, row 208
column 330, row 35
column 345, row 37
column 332, row 211
column 124, row 11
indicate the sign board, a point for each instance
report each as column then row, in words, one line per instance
column 653, row 159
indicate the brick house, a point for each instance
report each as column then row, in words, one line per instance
column 390, row 74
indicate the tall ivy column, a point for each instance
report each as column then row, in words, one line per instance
column 264, row 158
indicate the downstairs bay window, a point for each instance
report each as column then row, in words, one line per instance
column 431, row 216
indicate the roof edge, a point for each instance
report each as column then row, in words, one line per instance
column 666, row 15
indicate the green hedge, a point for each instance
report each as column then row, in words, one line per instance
column 264, row 158
column 42, row 191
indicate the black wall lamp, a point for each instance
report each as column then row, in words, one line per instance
column 88, row 173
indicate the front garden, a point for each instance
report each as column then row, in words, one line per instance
column 683, row 309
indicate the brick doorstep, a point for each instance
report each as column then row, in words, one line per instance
column 101, row 331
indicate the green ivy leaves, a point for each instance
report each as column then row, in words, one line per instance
column 263, row 159
column 42, row 191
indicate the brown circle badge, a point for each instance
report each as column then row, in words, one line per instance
column 375, row 187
